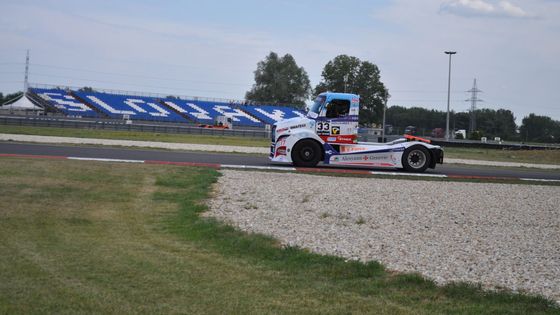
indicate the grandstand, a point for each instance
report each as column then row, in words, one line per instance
column 61, row 101
column 135, row 107
column 271, row 114
column 138, row 106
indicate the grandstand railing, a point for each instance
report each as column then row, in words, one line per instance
column 158, row 95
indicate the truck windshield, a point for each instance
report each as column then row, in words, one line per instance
column 316, row 107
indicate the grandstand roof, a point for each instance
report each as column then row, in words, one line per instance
column 22, row 104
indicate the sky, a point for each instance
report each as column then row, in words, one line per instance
column 211, row 48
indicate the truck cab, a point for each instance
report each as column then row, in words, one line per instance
column 328, row 134
column 336, row 117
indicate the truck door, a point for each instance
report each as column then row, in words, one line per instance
column 335, row 124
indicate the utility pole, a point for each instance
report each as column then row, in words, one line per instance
column 384, row 111
column 450, row 53
column 26, row 79
column 473, row 99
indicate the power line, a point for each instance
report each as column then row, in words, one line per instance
column 136, row 75
column 124, row 83
column 10, row 81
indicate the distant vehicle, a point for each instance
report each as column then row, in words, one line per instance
column 410, row 130
column 221, row 122
column 388, row 129
column 438, row 133
column 461, row 134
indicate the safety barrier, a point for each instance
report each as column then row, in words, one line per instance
column 42, row 121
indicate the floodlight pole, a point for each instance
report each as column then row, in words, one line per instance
column 450, row 53
column 384, row 110
column 26, row 79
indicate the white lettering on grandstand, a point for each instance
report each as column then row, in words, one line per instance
column 132, row 103
column 108, row 107
column 222, row 109
column 276, row 114
column 67, row 104
column 175, row 107
column 199, row 114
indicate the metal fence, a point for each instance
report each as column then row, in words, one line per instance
column 173, row 128
column 42, row 121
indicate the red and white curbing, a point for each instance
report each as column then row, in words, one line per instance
column 275, row 168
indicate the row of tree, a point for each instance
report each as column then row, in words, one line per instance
column 490, row 123
column 281, row 80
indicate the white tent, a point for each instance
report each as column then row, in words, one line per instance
column 22, row 104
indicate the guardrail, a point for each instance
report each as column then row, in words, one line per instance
column 494, row 145
column 173, row 128
column 42, row 121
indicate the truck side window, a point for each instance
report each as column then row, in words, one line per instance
column 338, row 108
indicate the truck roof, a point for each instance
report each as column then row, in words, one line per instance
column 344, row 96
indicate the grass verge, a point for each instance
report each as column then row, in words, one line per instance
column 136, row 135
column 124, row 238
column 517, row 156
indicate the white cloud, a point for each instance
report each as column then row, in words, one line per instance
column 513, row 10
column 484, row 8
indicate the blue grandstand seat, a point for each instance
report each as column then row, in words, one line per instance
column 174, row 110
column 271, row 114
column 206, row 112
column 64, row 102
column 137, row 107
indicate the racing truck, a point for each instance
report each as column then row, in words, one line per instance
column 329, row 134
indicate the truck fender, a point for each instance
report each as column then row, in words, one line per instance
column 430, row 147
column 292, row 139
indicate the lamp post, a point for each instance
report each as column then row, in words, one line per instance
column 384, row 111
column 450, row 53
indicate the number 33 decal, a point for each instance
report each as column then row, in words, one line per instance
column 321, row 126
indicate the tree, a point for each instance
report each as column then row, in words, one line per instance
column 10, row 97
column 540, row 129
column 280, row 80
column 350, row 74
column 426, row 120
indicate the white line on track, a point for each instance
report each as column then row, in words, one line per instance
column 104, row 160
column 408, row 174
column 541, row 180
column 275, row 168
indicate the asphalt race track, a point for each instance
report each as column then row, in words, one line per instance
column 246, row 159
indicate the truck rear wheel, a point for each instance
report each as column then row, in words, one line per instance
column 416, row 159
column 306, row 153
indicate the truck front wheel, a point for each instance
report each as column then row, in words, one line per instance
column 306, row 153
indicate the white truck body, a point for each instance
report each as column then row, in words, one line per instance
column 329, row 134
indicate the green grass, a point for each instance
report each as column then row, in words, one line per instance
column 125, row 238
column 136, row 135
column 520, row 156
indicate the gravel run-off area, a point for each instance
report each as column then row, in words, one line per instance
column 498, row 235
